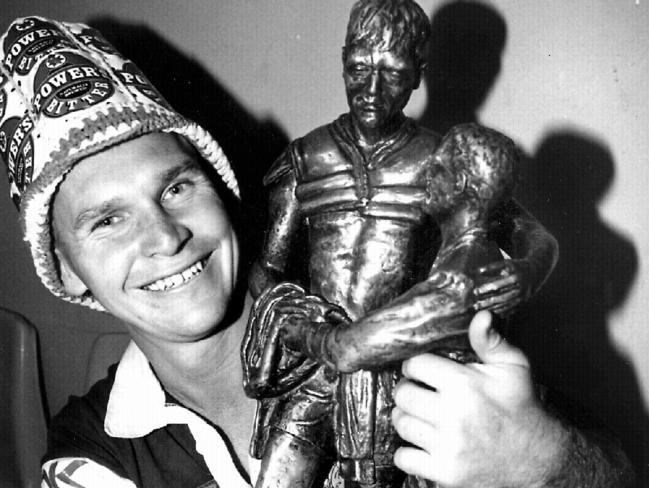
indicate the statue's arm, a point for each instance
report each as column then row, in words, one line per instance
column 284, row 220
column 433, row 310
column 534, row 253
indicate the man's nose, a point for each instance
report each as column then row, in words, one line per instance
column 162, row 233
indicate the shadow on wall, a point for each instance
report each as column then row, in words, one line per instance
column 467, row 40
column 250, row 144
column 564, row 330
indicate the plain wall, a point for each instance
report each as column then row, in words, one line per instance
column 569, row 84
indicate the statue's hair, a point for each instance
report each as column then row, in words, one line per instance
column 486, row 159
column 405, row 23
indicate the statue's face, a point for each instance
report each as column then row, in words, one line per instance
column 442, row 193
column 378, row 85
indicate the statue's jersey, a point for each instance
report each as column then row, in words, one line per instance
column 370, row 238
column 369, row 233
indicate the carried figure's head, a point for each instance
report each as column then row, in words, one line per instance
column 383, row 59
column 475, row 169
column 118, row 193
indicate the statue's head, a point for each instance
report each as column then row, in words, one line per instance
column 400, row 26
column 474, row 167
column 383, row 58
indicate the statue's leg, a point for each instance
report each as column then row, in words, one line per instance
column 385, row 440
column 289, row 461
column 300, row 448
column 366, row 439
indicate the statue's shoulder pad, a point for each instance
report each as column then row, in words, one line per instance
column 317, row 141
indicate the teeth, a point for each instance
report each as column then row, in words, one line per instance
column 176, row 279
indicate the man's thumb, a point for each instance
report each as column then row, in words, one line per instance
column 490, row 346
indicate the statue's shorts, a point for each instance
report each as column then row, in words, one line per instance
column 350, row 413
column 308, row 411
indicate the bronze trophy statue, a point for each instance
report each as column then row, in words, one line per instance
column 365, row 201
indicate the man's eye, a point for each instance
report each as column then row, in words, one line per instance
column 175, row 190
column 104, row 222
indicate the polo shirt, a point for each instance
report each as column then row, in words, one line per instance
column 127, row 431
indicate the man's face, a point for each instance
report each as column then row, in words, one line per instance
column 141, row 226
column 378, row 84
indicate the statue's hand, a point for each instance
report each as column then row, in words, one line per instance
column 476, row 425
column 502, row 285
column 298, row 314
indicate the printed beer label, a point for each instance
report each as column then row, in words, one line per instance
column 66, row 82
column 28, row 41
column 93, row 38
column 17, row 149
column 133, row 77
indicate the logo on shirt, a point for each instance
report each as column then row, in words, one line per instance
column 66, row 82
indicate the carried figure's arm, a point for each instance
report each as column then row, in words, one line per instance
column 433, row 315
column 533, row 251
column 432, row 312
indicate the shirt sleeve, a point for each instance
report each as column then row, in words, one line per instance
column 76, row 472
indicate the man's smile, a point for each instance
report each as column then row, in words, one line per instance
column 177, row 279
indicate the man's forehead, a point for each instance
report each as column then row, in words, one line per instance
column 155, row 146
column 150, row 158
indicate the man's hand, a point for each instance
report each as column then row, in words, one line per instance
column 503, row 285
column 476, row 425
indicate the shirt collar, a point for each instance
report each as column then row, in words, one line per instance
column 136, row 405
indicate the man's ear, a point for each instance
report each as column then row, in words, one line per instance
column 71, row 281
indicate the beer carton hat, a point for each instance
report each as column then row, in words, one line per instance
column 66, row 93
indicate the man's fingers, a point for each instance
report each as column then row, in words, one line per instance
column 433, row 371
column 415, row 462
column 416, row 400
column 413, row 430
column 490, row 346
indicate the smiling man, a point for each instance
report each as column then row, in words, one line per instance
column 126, row 206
